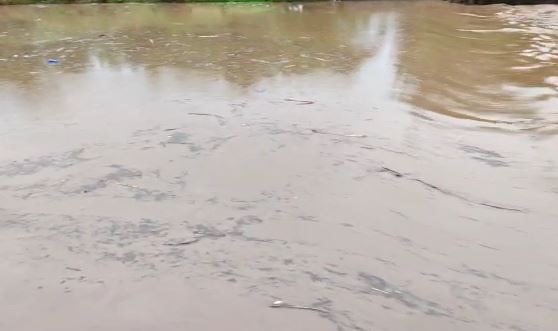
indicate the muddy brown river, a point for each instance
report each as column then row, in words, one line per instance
column 373, row 165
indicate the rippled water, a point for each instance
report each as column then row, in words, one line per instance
column 391, row 165
column 495, row 64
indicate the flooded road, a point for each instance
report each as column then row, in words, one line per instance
column 182, row 167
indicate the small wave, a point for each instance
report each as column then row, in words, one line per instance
column 473, row 15
column 512, row 30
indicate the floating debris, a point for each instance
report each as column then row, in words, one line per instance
column 339, row 134
column 206, row 114
column 277, row 304
column 182, row 242
column 399, row 174
column 300, row 102
column 283, row 304
column 129, row 186
column 391, row 171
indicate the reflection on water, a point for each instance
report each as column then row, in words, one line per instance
column 489, row 64
column 217, row 39
column 496, row 64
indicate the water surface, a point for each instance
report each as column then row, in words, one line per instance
column 181, row 167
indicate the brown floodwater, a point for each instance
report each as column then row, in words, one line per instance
column 391, row 165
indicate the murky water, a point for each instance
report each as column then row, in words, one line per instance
column 393, row 164
column 491, row 64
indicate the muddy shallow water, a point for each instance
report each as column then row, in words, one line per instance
column 181, row 167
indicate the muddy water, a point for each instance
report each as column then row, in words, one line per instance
column 181, row 167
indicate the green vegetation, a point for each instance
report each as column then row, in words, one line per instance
column 24, row 2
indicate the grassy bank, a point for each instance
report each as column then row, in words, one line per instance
column 28, row 2
column 467, row 2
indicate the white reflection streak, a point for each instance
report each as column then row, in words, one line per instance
column 378, row 75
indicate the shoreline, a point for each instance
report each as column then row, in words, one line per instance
column 62, row 2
